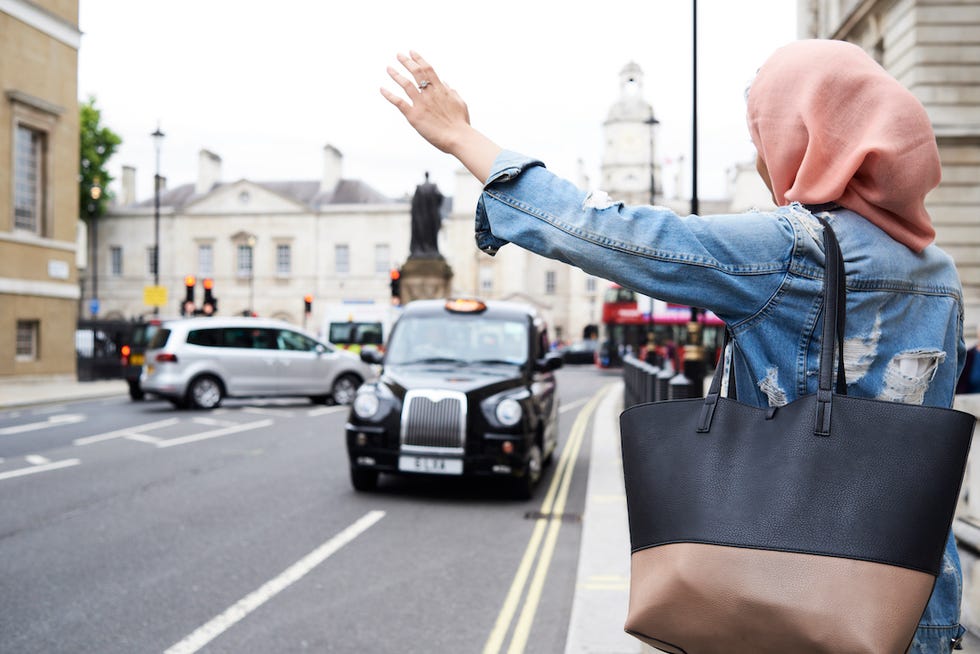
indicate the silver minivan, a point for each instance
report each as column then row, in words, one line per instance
column 196, row 362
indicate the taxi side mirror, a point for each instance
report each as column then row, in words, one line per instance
column 372, row 356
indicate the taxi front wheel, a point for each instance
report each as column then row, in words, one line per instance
column 524, row 486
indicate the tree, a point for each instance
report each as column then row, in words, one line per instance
column 97, row 145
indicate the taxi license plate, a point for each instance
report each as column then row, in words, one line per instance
column 136, row 360
column 430, row 465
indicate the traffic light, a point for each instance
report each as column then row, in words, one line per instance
column 396, row 287
column 210, row 306
column 189, row 308
column 308, row 304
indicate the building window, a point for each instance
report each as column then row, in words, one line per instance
column 115, row 261
column 28, row 178
column 549, row 282
column 382, row 257
column 486, row 280
column 243, row 266
column 151, row 260
column 284, row 260
column 590, row 285
column 27, row 337
column 342, row 259
column 205, row 260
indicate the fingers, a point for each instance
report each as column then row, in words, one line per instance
column 403, row 82
column 399, row 103
column 419, row 68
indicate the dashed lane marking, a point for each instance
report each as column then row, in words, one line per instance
column 53, row 421
column 207, row 632
column 126, row 431
column 214, row 433
column 324, row 410
column 34, row 469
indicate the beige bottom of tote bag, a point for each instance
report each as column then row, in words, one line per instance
column 778, row 602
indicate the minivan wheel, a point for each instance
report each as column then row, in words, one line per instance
column 345, row 388
column 524, row 486
column 135, row 391
column 204, row 392
column 364, row 480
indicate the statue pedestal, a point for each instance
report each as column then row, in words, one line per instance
column 425, row 279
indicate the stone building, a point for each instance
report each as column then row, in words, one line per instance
column 264, row 245
column 38, row 186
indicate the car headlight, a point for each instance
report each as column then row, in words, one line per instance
column 366, row 405
column 508, row 412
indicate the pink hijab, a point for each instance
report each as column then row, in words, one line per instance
column 832, row 126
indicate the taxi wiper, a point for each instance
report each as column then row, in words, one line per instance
column 507, row 362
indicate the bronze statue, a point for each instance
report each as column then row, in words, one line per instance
column 426, row 221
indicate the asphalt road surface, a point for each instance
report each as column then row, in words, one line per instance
column 133, row 527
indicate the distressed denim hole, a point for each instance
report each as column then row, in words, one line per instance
column 908, row 375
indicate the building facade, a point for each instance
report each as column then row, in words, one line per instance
column 38, row 186
column 933, row 48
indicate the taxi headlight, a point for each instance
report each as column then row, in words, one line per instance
column 366, row 405
column 509, row 412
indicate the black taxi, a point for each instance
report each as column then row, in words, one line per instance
column 467, row 388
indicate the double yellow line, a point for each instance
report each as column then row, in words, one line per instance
column 551, row 513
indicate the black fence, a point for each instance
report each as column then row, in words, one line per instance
column 98, row 348
column 648, row 382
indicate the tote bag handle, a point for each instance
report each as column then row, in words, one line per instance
column 835, row 311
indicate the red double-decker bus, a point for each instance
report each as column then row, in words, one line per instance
column 629, row 319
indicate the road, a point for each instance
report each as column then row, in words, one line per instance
column 132, row 527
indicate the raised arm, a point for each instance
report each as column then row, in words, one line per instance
column 439, row 114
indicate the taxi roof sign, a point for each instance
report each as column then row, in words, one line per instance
column 465, row 305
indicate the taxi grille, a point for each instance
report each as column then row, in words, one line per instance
column 434, row 420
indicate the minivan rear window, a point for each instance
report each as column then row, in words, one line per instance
column 159, row 339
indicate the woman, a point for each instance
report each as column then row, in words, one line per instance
column 835, row 136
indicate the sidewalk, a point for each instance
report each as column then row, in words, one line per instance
column 30, row 391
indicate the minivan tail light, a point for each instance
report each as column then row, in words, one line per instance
column 165, row 357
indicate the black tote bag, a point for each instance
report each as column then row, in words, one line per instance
column 815, row 527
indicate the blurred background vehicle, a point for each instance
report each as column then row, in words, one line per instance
column 580, row 352
column 197, row 362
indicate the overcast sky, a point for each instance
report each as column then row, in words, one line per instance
column 265, row 85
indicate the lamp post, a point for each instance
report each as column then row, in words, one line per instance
column 652, row 122
column 157, row 143
column 251, row 275
column 95, row 193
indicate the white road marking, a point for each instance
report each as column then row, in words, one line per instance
column 126, row 431
column 36, row 459
column 213, row 422
column 240, row 609
column 53, row 421
column 267, row 412
column 30, row 470
column 214, row 433
column 324, row 410
column 143, row 438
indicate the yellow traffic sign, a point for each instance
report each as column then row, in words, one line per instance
column 155, row 296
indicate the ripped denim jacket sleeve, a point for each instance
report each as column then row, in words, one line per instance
column 728, row 264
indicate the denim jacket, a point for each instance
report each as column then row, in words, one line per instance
column 762, row 273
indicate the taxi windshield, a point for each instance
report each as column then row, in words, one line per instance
column 463, row 339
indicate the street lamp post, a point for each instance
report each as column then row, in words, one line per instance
column 251, row 275
column 157, row 143
column 95, row 193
